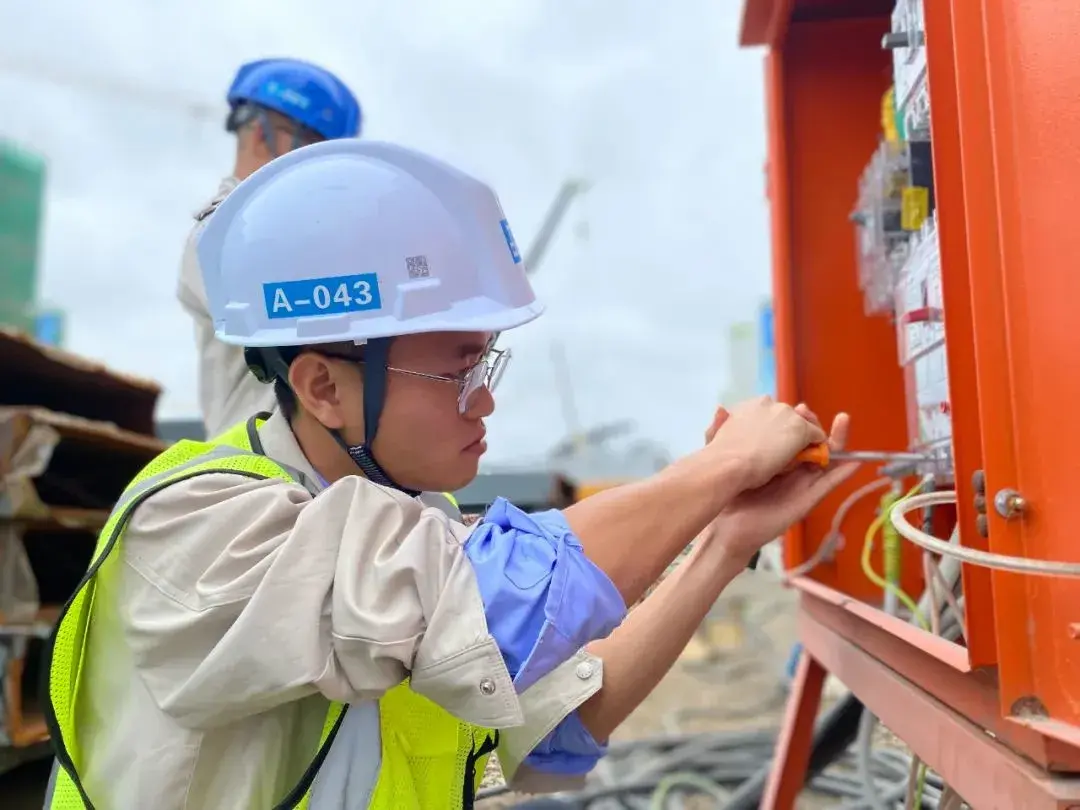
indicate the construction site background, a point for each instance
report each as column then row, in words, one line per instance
column 72, row 435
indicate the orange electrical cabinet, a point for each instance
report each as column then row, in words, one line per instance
column 1004, row 88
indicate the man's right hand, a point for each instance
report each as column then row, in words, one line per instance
column 763, row 437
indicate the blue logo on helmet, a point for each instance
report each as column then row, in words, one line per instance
column 510, row 243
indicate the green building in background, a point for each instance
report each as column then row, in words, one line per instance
column 22, row 213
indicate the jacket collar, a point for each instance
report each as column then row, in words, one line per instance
column 279, row 443
column 224, row 190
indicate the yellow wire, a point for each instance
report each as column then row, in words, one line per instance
column 907, row 601
column 920, row 785
column 874, row 576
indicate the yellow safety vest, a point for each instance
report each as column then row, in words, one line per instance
column 429, row 759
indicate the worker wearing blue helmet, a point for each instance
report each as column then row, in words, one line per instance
column 275, row 106
column 314, row 103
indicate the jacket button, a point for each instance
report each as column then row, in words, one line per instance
column 584, row 670
column 487, row 687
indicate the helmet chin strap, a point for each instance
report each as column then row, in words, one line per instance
column 376, row 357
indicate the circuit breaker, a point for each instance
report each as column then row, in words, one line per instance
column 881, row 241
column 920, row 329
column 906, row 39
column 897, row 245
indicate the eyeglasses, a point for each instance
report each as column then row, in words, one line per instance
column 485, row 373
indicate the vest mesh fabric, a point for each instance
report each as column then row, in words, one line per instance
column 426, row 752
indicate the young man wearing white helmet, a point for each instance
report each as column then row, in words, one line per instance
column 264, row 628
column 275, row 106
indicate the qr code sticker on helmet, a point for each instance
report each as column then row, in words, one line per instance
column 417, row 266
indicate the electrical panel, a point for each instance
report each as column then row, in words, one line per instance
column 897, row 245
column 921, row 343
column 907, row 41
column 955, row 232
column 881, row 241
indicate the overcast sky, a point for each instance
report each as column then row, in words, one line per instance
column 658, row 110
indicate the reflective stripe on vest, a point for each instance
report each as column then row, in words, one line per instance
column 443, row 501
column 424, row 758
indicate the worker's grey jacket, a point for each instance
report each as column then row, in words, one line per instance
column 228, row 393
column 238, row 605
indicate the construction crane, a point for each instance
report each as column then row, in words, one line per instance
column 534, row 257
column 581, row 446
column 556, row 213
column 162, row 98
column 577, row 438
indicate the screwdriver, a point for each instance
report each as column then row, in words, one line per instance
column 822, row 456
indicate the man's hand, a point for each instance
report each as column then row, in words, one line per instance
column 759, row 515
column 638, row 654
column 762, row 437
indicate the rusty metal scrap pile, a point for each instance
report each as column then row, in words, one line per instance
column 72, row 434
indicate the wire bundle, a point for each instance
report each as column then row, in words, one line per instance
column 662, row 773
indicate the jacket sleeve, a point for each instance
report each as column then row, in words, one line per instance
column 544, row 598
column 228, row 392
column 552, row 751
column 240, row 595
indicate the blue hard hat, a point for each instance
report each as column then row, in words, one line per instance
column 306, row 93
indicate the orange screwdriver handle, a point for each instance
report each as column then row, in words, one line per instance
column 814, row 454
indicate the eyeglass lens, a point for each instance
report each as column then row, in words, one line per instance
column 485, row 374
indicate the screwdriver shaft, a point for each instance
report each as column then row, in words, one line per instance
column 860, row 455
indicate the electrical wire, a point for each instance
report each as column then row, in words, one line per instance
column 659, row 798
column 874, row 576
column 864, row 752
column 917, row 778
column 873, row 797
column 658, row 774
column 914, row 790
column 834, row 539
column 931, row 590
column 950, row 598
column 986, row 559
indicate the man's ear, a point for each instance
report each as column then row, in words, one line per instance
column 313, row 379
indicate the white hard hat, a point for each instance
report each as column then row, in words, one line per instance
column 350, row 240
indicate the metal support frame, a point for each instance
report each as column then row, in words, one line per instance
column 796, row 735
column 947, row 714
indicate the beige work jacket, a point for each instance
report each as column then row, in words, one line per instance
column 228, row 392
column 238, row 605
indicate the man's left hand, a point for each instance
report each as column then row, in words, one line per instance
column 757, row 516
